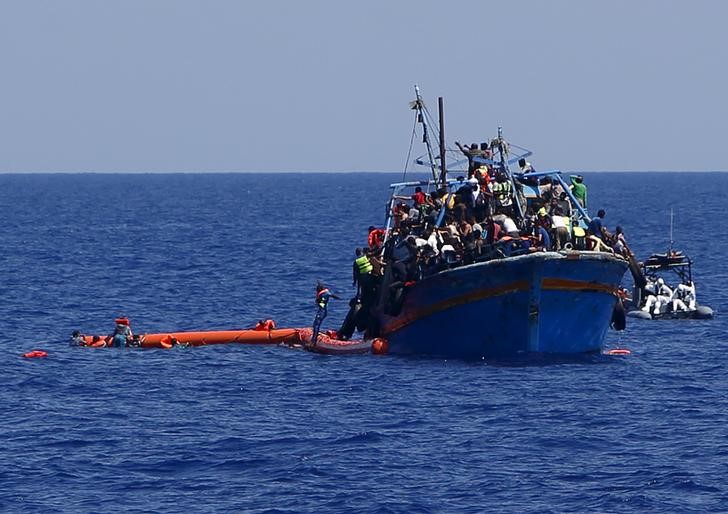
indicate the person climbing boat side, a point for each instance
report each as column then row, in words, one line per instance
column 323, row 295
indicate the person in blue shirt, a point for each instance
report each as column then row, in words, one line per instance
column 543, row 237
column 596, row 225
column 597, row 233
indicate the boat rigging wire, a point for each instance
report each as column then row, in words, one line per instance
column 411, row 145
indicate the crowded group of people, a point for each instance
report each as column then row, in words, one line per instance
column 483, row 216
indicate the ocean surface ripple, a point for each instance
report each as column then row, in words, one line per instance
column 269, row 429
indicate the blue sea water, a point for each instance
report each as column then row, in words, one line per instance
column 269, row 429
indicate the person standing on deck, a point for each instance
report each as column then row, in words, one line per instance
column 578, row 189
column 560, row 227
column 323, row 295
column 502, row 191
column 470, row 153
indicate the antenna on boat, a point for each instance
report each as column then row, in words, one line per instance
column 419, row 106
column 671, row 239
column 443, row 169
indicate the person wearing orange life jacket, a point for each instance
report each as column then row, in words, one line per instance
column 323, row 295
column 376, row 237
column 265, row 324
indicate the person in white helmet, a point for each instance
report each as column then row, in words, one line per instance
column 686, row 294
column 659, row 295
column 663, row 294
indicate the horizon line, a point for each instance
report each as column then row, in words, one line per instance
column 298, row 172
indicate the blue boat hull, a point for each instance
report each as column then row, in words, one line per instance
column 549, row 302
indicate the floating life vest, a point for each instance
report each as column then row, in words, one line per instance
column 618, row 351
column 35, row 354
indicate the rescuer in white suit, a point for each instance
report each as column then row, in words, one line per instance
column 660, row 299
column 685, row 293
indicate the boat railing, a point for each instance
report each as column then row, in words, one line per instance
column 556, row 174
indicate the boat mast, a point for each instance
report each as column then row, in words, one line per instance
column 443, row 168
column 671, row 239
column 419, row 106
column 502, row 150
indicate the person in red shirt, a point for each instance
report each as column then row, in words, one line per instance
column 419, row 198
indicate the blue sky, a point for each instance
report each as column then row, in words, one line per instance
column 167, row 85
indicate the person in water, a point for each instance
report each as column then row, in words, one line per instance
column 265, row 325
column 122, row 333
column 323, row 295
column 77, row 339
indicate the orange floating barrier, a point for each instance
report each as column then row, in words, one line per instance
column 248, row 336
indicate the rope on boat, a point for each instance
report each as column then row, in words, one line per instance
column 411, row 145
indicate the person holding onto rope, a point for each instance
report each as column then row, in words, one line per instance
column 323, row 295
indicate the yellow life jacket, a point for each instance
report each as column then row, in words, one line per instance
column 363, row 264
column 502, row 191
column 450, row 200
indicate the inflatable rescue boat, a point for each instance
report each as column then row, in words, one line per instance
column 328, row 344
